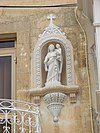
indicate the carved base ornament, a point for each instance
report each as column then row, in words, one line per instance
column 54, row 103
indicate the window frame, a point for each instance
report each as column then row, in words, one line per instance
column 11, row 52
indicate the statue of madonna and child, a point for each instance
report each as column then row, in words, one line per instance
column 53, row 65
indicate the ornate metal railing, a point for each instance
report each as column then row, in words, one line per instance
column 19, row 117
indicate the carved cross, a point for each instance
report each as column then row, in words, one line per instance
column 51, row 17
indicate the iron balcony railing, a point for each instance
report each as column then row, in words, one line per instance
column 19, row 117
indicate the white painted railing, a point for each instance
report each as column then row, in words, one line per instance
column 19, row 117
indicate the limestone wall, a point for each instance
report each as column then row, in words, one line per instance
column 27, row 24
column 36, row 2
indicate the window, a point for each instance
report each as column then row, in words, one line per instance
column 7, row 44
column 7, row 74
column 5, row 77
column 7, row 71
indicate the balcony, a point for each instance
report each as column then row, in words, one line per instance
column 19, row 117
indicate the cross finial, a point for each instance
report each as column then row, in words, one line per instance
column 51, row 17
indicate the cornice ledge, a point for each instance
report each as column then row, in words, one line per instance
column 61, row 88
column 96, row 24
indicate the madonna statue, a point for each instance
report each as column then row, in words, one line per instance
column 53, row 65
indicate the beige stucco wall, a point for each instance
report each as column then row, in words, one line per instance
column 28, row 24
column 87, row 24
column 36, row 2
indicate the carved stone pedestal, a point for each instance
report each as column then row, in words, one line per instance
column 54, row 96
column 54, row 103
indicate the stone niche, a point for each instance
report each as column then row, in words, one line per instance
column 54, row 95
column 53, row 35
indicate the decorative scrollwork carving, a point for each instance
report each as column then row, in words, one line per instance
column 55, row 103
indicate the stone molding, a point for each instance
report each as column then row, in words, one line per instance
column 71, row 91
column 96, row 24
column 45, row 90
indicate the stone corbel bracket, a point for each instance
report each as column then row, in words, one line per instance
column 54, row 97
column 70, row 91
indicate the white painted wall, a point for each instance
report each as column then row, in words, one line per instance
column 96, row 12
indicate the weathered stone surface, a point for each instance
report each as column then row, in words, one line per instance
column 28, row 24
column 36, row 2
